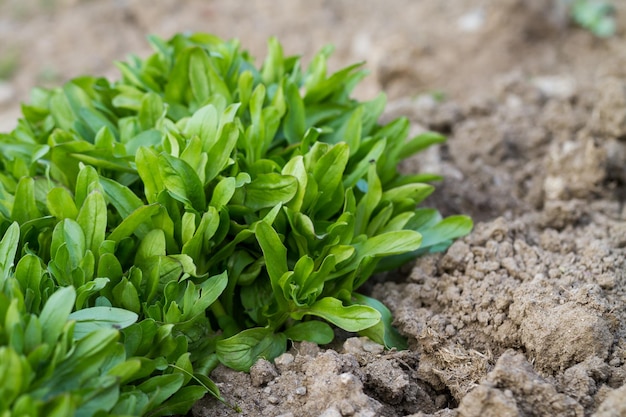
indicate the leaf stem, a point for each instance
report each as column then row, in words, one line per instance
column 226, row 322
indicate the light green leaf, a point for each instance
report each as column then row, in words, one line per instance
column 318, row 91
column 328, row 172
column 24, row 205
column 177, row 87
column 273, row 67
column 151, row 111
column 146, row 138
column 369, row 201
column 69, row 234
column 275, row 254
column 219, row 153
column 223, row 192
column 92, row 218
column 206, row 229
column 210, row 289
column 126, row 370
column 95, row 318
column 153, row 244
column 29, row 274
column 415, row 192
column 89, row 289
column 121, row 197
column 203, row 124
column 160, row 388
column 198, row 75
column 147, row 162
column 193, row 155
column 295, row 168
column 420, row 142
column 391, row 243
column 137, row 222
column 61, row 204
column 268, row 190
column 8, row 248
column 353, row 318
column 126, row 295
column 61, row 406
column 182, row 181
column 449, row 228
column 87, row 181
column 55, row 313
column 294, row 121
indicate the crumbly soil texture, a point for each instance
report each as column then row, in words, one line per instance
column 526, row 316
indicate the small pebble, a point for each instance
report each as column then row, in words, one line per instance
column 307, row 349
column 273, row 399
column 331, row 412
column 372, row 347
column 346, row 408
column 347, row 378
column 262, row 372
column 559, row 87
column 283, row 362
column 7, row 92
column 472, row 21
column 301, row 390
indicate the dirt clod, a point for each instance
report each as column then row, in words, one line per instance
column 262, row 372
column 514, row 388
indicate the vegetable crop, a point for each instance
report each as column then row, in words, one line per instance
column 197, row 211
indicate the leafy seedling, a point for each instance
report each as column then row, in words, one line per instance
column 197, row 211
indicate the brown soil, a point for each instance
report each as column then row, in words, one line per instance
column 524, row 317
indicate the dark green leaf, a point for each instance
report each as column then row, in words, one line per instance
column 312, row 331
column 383, row 332
column 179, row 403
column 241, row 351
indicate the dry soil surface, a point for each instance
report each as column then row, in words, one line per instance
column 526, row 316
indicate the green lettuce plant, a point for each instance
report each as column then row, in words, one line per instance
column 197, row 211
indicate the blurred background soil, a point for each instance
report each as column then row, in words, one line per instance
column 524, row 317
column 456, row 48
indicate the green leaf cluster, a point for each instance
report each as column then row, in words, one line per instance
column 197, row 211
